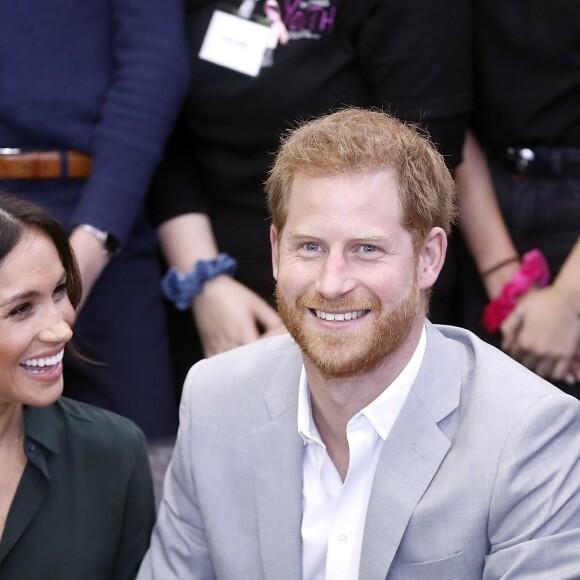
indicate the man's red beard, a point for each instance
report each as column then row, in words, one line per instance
column 345, row 353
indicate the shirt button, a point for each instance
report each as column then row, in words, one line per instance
column 342, row 537
column 30, row 446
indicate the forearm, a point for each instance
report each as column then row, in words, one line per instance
column 481, row 221
column 568, row 279
column 186, row 239
column 91, row 259
column 145, row 89
column 227, row 313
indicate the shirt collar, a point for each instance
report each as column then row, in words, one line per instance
column 381, row 413
column 42, row 436
column 41, row 425
column 306, row 427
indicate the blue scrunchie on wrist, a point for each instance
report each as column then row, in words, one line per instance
column 181, row 289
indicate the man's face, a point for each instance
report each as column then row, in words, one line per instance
column 347, row 274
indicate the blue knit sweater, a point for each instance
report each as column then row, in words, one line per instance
column 103, row 76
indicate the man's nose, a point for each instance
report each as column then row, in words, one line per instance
column 335, row 278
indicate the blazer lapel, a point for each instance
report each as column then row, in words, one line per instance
column 411, row 455
column 277, row 449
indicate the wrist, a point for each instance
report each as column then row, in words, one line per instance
column 533, row 272
column 181, row 288
column 499, row 266
column 109, row 243
column 495, row 282
column 571, row 295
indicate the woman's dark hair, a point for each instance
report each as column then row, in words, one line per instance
column 18, row 217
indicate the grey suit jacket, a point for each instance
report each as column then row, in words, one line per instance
column 479, row 477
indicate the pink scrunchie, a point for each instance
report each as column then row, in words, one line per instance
column 534, row 270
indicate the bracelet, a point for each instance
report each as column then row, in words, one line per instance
column 181, row 289
column 534, row 270
column 499, row 266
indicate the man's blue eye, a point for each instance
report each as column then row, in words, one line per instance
column 368, row 249
column 311, row 246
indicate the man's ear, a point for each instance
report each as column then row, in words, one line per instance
column 432, row 257
column 274, row 248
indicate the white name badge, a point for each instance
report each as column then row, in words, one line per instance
column 235, row 43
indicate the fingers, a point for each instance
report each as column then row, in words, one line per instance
column 266, row 315
column 274, row 331
column 572, row 376
column 547, row 365
column 510, row 329
column 228, row 314
column 543, row 334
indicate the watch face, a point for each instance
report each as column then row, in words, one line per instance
column 112, row 244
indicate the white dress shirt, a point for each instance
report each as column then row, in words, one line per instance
column 334, row 512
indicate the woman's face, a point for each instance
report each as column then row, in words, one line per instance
column 35, row 322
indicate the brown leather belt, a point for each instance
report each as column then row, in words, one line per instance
column 16, row 164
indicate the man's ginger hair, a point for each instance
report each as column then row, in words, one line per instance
column 355, row 141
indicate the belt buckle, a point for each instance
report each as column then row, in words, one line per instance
column 10, row 151
column 520, row 160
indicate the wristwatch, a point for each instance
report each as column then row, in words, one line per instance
column 110, row 243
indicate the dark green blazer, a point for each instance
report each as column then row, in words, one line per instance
column 84, row 508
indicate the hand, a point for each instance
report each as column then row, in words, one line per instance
column 228, row 314
column 274, row 331
column 91, row 260
column 573, row 374
column 543, row 333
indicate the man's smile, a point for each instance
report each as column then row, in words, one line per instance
column 340, row 316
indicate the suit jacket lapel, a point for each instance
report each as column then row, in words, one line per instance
column 277, row 449
column 411, row 455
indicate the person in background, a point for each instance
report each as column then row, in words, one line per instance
column 76, row 496
column 369, row 443
column 525, row 149
column 89, row 92
column 207, row 197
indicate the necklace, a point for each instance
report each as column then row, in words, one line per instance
column 12, row 432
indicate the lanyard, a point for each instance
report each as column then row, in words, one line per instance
column 246, row 8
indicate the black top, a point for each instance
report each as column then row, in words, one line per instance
column 527, row 72
column 409, row 57
column 84, row 508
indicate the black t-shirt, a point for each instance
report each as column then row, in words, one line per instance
column 527, row 72
column 410, row 58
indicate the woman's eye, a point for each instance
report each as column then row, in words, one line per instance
column 20, row 310
column 60, row 290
